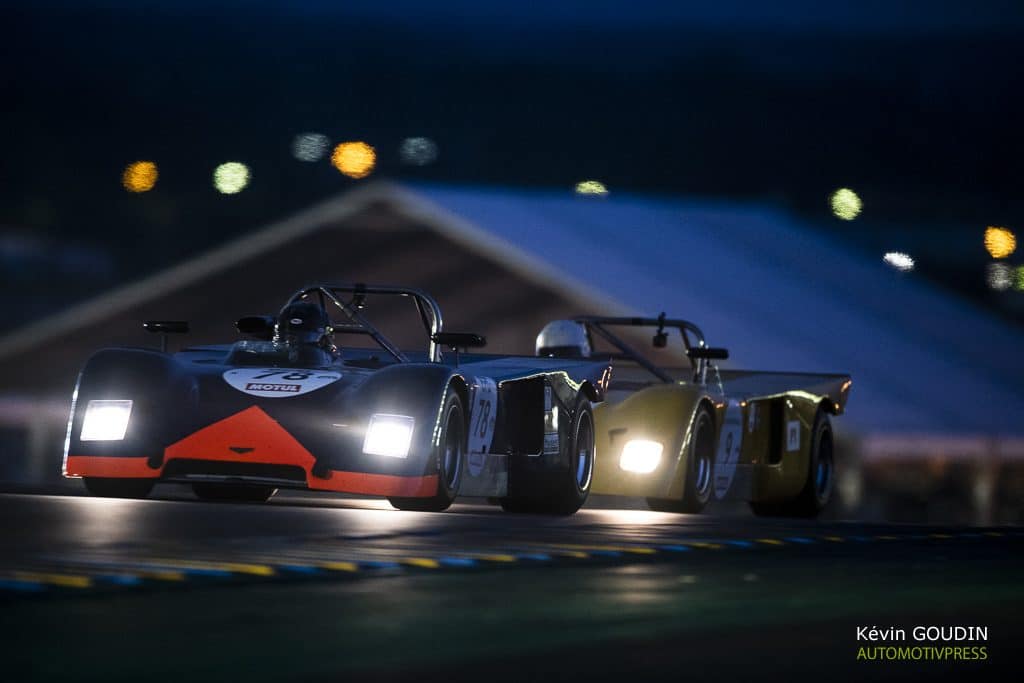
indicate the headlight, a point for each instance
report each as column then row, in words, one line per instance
column 106, row 420
column 389, row 435
column 641, row 456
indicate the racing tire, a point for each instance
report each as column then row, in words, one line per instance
column 700, row 462
column 119, row 487
column 450, row 458
column 820, row 482
column 571, row 489
column 233, row 493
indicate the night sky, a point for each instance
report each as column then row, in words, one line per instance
column 917, row 107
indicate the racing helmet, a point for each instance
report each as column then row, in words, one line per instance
column 564, row 339
column 304, row 323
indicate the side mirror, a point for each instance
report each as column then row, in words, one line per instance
column 660, row 340
column 166, row 326
column 460, row 340
column 707, row 353
column 259, row 326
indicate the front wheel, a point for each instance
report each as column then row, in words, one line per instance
column 700, row 460
column 451, row 446
column 119, row 487
column 234, row 493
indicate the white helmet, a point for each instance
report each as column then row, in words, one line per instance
column 562, row 339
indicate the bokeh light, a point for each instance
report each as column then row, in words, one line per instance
column 1000, row 242
column 999, row 276
column 418, row 151
column 900, row 261
column 310, row 146
column 231, row 177
column 354, row 159
column 845, row 204
column 591, row 187
column 139, row 176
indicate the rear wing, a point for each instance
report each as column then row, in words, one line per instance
column 756, row 384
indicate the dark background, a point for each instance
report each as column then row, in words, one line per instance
column 916, row 107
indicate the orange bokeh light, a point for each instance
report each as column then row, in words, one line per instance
column 354, row 159
column 139, row 176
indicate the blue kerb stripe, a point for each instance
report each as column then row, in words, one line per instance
column 300, row 568
column 377, row 564
column 799, row 539
column 674, row 548
column 120, row 579
column 739, row 544
column 21, row 586
column 198, row 571
column 540, row 557
column 605, row 553
column 457, row 561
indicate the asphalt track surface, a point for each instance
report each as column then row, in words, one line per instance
column 327, row 588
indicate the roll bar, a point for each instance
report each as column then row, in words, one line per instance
column 598, row 324
column 426, row 306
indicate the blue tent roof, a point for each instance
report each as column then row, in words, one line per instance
column 778, row 294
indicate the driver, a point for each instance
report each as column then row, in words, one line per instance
column 304, row 328
column 564, row 339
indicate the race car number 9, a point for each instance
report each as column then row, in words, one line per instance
column 483, row 404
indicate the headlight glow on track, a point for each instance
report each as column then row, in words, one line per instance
column 641, row 456
column 389, row 435
column 106, row 420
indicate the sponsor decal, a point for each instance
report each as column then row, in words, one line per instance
column 753, row 418
column 279, row 382
column 483, row 405
column 253, row 386
column 793, row 435
column 729, row 444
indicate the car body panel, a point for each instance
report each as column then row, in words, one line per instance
column 763, row 420
column 208, row 414
column 772, row 463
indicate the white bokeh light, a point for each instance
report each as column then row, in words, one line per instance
column 418, row 151
column 900, row 261
column 999, row 276
column 231, row 177
column 310, row 147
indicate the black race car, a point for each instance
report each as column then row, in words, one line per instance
column 288, row 407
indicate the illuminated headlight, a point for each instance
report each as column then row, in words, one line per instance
column 389, row 435
column 106, row 420
column 641, row 456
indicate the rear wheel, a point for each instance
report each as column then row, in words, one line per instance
column 450, row 459
column 820, row 482
column 118, row 487
column 235, row 493
column 572, row 485
column 700, row 461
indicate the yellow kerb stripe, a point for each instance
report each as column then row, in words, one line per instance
column 62, row 580
column 424, row 562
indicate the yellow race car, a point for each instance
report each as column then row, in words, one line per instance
column 679, row 436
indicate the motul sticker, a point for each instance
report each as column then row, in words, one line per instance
column 279, row 382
